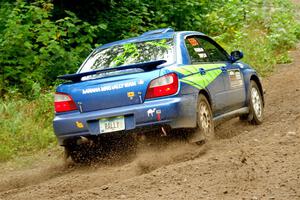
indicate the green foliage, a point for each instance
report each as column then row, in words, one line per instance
column 26, row 126
column 130, row 52
column 37, row 46
column 269, row 30
column 35, row 49
column 140, row 52
column 234, row 23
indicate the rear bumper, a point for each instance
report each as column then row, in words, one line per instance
column 176, row 112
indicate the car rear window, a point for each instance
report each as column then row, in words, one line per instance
column 130, row 53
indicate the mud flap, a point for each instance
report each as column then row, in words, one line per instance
column 196, row 138
column 250, row 116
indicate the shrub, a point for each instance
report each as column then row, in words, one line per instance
column 35, row 49
column 26, row 125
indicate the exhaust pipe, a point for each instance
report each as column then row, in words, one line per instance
column 82, row 140
column 164, row 132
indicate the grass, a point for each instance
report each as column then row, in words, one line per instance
column 26, row 125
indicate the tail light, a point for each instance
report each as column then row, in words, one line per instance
column 163, row 86
column 63, row 103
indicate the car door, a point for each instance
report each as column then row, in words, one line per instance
column 235, row 87
column 211, row 68
column 234, row 95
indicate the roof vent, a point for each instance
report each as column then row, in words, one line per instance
column 158, row 31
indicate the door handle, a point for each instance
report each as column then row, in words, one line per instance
column 202, row 71
column 224, row 69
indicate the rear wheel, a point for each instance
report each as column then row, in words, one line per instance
column 79, row 153
column 103, row 148
column 205, row 130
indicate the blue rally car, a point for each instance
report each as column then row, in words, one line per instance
column 162, row 80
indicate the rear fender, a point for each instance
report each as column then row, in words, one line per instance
column 207, row 95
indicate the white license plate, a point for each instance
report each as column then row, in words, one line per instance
column 112, row 124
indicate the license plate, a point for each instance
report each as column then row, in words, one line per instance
column 112, row 124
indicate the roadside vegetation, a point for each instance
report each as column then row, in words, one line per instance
column 41, row 39
column 25, row 125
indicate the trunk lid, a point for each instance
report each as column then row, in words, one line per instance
column 110, row 92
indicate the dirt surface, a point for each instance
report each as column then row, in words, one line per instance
column 244, row 162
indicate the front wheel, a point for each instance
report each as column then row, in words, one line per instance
column 255, row 104
column 205, row 130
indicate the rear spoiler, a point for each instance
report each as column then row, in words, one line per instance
column 146, row 66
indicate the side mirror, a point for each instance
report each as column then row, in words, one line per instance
column 236, row 55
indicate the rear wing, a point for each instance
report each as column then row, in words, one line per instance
column 146, row 66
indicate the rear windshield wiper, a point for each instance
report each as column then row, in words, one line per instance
column 146, row 66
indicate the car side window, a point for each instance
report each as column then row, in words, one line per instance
column 196, row 52
column 201, row 50
column 214, row 53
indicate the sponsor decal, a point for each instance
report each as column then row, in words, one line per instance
column 151, row 112
column 202, row 55
column 79, row 124
column 193, row 42
column 141, row 82
column 109, row 87
column 130, row 95
column 158, row 115
column 140, row 97
column 235, row 78
column 199, row 50
column 80, row 105
column 154, row 112
column 191, row 75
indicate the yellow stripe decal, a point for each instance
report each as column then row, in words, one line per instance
column 193, row 76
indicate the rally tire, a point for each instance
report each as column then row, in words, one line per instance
column 79, row 153
column 112, row 148
column 205, row 118
column 256, row 105
column 205, row 124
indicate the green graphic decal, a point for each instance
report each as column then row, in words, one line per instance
column 193, row 76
